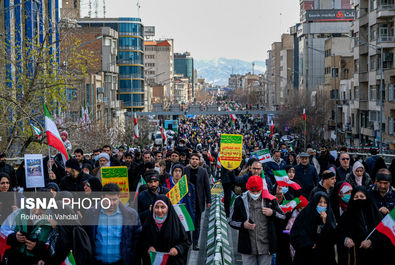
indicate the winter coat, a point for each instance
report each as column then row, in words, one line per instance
column 131, row 231
column 387, row 201
column 307, row 178
column 366, row 181
column 240, row 213
column 71, row 184
column 145, row 199
column 202, row 187
column 272, row 165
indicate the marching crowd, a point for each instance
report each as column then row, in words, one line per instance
column 339, row 203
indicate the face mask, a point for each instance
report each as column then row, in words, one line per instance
column 157, row 169
column 346, row 198
column 284, row 190
column 321, row 209
column 255, row 196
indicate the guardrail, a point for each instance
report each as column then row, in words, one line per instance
column 218, row 246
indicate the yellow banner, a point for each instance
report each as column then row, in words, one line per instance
column 178, row 191
column 119, row 176
column 231, row 150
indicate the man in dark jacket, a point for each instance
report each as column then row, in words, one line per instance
column 147, row 197
column 255, row 170
column 198, row 176
column 325, row 159
column 254, row 216
column 4, row 167
column 344, row 169
column 328, row 181
column 74, row 179
column 306, row 175
column 382, row 193
column 113, row 232
column 277, row 163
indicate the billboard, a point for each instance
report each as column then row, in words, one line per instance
column 149, row 31
column 330, row 15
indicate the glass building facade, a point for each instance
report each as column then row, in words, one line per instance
column 130, row 57
column 183, row 65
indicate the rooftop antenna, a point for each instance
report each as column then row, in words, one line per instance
column 90, row 9
column 104, row 8
column 138, row 8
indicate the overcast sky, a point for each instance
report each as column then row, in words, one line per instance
column 209, row 29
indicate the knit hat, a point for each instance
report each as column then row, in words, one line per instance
column 151, row 175
column 103, row 155
column 177, row 166
column 73, row 163
column 303, row 202
column 384, row 177
column 53, row 185
column 254, row 183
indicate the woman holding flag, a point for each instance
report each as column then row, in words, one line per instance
column 355, row 227
column 164, row 236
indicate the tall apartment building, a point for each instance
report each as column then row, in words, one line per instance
column 130, row 58
column 184, row 65
column 275, row 75
column 320, row 20
column 286, row 67
column 269, row 91
column 373, row 29
column 159, row 67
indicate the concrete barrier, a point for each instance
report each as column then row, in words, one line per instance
column 218, row 247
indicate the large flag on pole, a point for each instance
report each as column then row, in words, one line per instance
column 304, row 121
column 53, row 136
column 185, row 217
column 387, row 226
column 158, row 258
column 271, row 129
column 136, row 127
column 282, row 179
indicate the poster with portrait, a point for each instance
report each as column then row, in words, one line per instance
column 34, row 171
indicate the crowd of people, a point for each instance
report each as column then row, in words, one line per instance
column 340, row 201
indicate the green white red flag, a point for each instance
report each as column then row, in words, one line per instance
column 283, row 180
column 290, row 205
column 387, row 226
column 69, row 260
column 271, row 129
column 262, row 155
column 265, row 191
column 163, row 134
column 36, row 130
column 136, row 127
column 141, row 183
column 184, row 216
column 158, row 258
column 53, row 136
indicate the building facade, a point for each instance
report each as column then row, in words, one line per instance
column 184, row 65
column 130, row 58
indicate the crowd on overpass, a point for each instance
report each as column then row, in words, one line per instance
column 323, row 213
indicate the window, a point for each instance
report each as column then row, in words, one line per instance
column 372, row 93
column 107, row 42
column 373, row 33
column 373, row 4
column 391, row 94
column 352, row 119
column 356, row 92
column 392, row 126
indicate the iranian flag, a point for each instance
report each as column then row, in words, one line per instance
column 262, row 155
column 283, row 179
column 271, row 128
column 265, row 192
column 304, row 121
column 290, row 205
column 69, row 259
column 136, row 127
column 158, row 258
column 219, row 160
column 387, row 226
column 3, row 245
column 163, row 134
column 36, row 130
column 184, row 217
column 141, row 182
column 53, row 136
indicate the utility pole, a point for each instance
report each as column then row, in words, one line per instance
column 381, row 98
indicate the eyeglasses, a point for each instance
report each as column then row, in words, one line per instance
column 345, row 158
column 256, row 168
column 3, row 183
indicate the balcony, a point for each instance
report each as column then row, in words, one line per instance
column 363, row 77
column 364, row 20
column 386, row 10
column 363, row 104
column 386, row 38
column 363, row 49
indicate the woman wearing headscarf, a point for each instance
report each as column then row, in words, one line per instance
column 340, row 197
column 163, row 232
column 312, row 233
column 360, row 218
column 358, row 176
